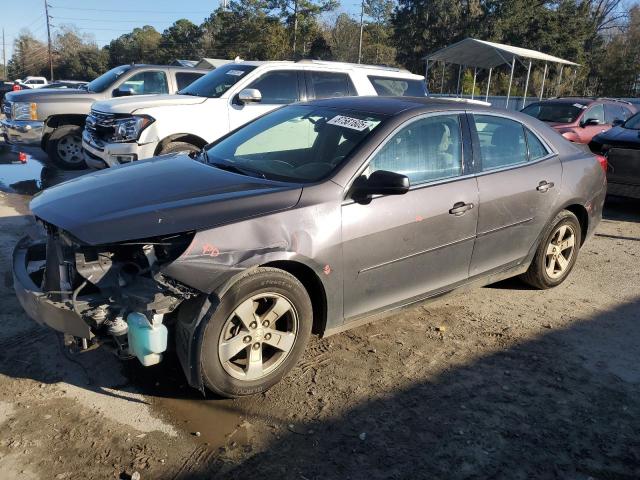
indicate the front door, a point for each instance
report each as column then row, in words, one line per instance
column 519, row 183
column 277, row 87
column 400, row 247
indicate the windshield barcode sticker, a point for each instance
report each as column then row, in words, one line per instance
column 235, row 73
column 349, row 122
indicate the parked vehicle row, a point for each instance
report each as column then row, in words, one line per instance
column 315, row 217
column 53, row 119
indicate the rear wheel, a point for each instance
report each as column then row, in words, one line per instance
column 176, row 147
column 257, row 334
column 64, row 147
column 557, row 253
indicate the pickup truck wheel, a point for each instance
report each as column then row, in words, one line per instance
column 176, row 147
column 64, row 147
column 257, row 333
column 556, row 254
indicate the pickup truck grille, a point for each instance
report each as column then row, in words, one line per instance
column 100, row 124
column 6, row 109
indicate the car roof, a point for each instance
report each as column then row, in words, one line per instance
column 169, row 67
column 392, row 105
column 379, row 70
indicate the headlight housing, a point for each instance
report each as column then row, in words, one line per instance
column 25, row 111
column 129, row 129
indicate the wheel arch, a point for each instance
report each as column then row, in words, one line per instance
column 181, row 137
column 312, row 284
column 581, row 213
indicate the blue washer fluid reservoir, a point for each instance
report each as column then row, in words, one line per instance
column 147, row 340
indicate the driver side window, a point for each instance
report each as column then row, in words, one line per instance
column 145, row 83
column 425, row 150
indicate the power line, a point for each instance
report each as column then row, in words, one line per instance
column 146, row 12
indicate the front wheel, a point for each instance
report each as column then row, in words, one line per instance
column 178, row 147
column 257, row 334
column 64, row 147
column 556, row 254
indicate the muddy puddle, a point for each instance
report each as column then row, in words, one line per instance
column 215, row 422
column 26, row 171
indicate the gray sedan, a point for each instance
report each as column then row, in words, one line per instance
column 314, row 218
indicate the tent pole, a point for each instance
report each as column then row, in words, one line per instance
column 526, row 85
column 559, row 81
column 513, row 66
column 544, row 76
column 573, row 81
column 458, row 86
column 473, row 90
column 442, row 81
column 426, row 75
column 486, row 97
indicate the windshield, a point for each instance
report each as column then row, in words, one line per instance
column 107, row 79
column 633, row 123
column 216, row 83
column 295, row 143
column 555, row 112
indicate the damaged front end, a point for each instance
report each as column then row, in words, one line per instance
column 113, row 294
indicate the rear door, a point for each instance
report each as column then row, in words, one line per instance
column 325, row 84
column 401, row 247
column 519, row 179
column 277, row 87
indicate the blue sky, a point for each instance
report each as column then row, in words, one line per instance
column 104, row 19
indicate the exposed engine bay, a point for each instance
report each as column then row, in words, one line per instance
column 102, row 285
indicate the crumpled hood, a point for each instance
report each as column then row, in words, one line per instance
column 136, row 102
column 159, row 196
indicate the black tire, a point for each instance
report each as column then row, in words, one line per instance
column 537, row 275
column 254, row 283
column 176, row 147
column 64, row 147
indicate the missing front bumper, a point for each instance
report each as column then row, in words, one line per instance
column 58, row 315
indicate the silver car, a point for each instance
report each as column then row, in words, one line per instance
column 314, row 218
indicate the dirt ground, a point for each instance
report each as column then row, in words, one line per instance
column 504, row 382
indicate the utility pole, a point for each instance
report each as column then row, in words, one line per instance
column 361, row 29
column 46, row 13
column 4, row 56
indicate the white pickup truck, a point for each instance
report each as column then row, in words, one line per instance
column 123, row 130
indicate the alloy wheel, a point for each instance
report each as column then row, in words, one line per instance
column 560, row 251
column 69, row 149
column 258, row 336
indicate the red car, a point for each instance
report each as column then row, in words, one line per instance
column 579, row 119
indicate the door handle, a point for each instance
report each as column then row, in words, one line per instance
column 459, row 208
column 544, row 186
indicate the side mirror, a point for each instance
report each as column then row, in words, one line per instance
column 589, row 121
column 249, row 95
column 380, row 182
column 123, row 91
column 617, row 122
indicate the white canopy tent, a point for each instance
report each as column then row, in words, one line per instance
column 475, row 53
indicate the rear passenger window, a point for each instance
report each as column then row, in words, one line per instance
column 502, row 141
column 425, row 150
column 398, row 87
column 536, row 148
column 184, row 79
column 145, row 83
column 328, row 84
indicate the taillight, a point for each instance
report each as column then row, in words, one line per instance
column 603, row 162
column 15, row 88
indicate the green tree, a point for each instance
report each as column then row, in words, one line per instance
column 30, row 57
column 141, row 45
column 182, row 40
